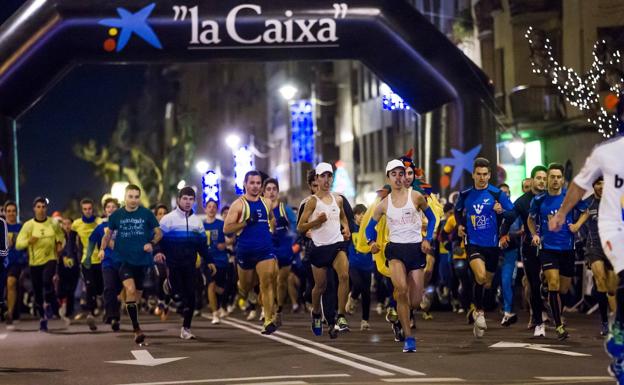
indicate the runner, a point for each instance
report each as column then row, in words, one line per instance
column 17, row 261
column 137, row 232
column 406, row 250
column 183, row 238
column 325, row 217
column 90, row 264
column 43, row 238
column 556, row 249
column 605, row 160
column 249, row 216
column 283, row 240
column 481, row 204
column 528, row 252
column 217, row 299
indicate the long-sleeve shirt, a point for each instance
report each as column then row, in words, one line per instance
column 44, row 250
column 520, row 209
column 184, row 237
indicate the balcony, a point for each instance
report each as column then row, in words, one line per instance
column 535, row 104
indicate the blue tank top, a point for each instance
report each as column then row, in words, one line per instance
column 282, row 239
column 256, row 236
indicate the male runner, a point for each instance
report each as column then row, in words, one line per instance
column 250, row 217
column 476, row 213
column 17, row 260
column 137, row 232
column 605, row 160
column 216, row 244
column 183, row 239
column 91, row 269
column 556, row 252
column 325, row 217
column 406, row 250
column 528, row 252
column 43, row 238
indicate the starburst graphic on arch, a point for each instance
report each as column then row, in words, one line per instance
column 460, row 162
column 130, row 23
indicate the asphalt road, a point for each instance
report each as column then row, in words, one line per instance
column 235, row 353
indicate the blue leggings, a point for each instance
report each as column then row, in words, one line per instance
column 508, row 274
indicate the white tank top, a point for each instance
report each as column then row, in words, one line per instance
column 404, row 223
column 329, row 232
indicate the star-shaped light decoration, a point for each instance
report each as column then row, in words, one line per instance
column 460, row 162
column 133, row 23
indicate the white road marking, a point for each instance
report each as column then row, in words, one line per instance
column 274, row 383
column 210, row 380
column 540, row 347
column 332, row 349
column 353, row 364
column 144, row 358
column 424, row 380
column 578, row 378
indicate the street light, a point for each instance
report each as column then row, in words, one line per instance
column 202, row 167
column 288, row 91
column 181, row 184
column 516, row 147
column 118, row 190
column 233, row 141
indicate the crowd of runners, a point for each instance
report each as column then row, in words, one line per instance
column 407, row 254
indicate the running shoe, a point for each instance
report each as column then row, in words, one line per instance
column 49, row 312
column 91, row 323
column 427, row 316
column 391, row 315
column 262, row 317
column 616, row 369
column 115, row 326
column 215, row 318
column 186, row 334
column 332, row 330
column 604, row 328
column 379, row 308
column 222, row 313
column 540, row 330
column 509, row 319
column 342, row 324
column 480, row 325
column 364, row 325
column 139, row 337
column 614, row 345
column 252, row 315
column 562, row 334
column 43, row 325
column 397, row 330
column 317, row 324
column 295, row 308
column 269, row 327
column 351, row 304
column 410, row 345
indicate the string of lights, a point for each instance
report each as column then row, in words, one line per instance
column 581, row 91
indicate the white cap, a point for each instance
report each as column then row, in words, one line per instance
column 323, row 168
column 394, row 163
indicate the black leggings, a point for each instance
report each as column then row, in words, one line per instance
column 43, row 285
column 95, row 285
column 532, row 269
column 360, row 284
column 183, row 281
column 112, row 288
column 462, row 274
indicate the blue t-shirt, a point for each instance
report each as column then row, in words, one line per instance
column 481, row 219
column 111, row 259
column 134, row 230
column 214, row 233
column 256, row 236
column 359, row 260
column 283, row 238
column 15, row 257
column 543, row 207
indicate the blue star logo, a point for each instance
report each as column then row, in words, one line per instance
column 460, row 162
column 133, row 23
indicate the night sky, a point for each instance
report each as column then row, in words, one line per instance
column 84, row 105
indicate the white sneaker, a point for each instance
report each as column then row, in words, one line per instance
column 230, row 309
column 540, row 331
column 186, row 334
column 479, row 325
column 215, row 318
column 351, row 303
column 364, row 325
column 379, row 309
column 252, row 315
column 262, row 317
column 295, row 307
column 223, row 313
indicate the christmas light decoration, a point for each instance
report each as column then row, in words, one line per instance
column 391, row 101
column 583, row 91
column 243, row 163
column 302, row 131
column 210, row 187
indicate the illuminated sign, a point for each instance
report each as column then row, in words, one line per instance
column 302, row 129
column 210, row 187
column 243, row 163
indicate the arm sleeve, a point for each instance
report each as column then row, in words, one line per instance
column 589, row 173
column 431, row 224
column 21, row 243
column 506, row 202
column 371, row 232
column 459, row 210
column 509, row 217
